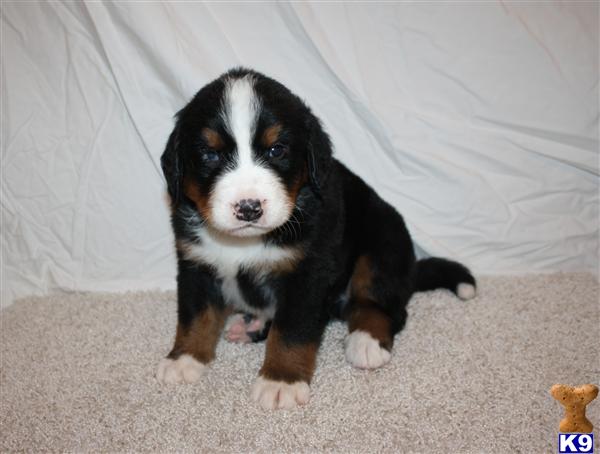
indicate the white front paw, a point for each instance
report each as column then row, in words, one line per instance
column 272, row 394
column 363, row 351
column 184, row 369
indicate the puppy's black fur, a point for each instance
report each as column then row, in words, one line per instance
column 356, row 257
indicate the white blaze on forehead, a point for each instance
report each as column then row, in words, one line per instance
column 241, row 110
column 246, row 178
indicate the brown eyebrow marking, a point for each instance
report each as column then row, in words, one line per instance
column 213, row 138
column 271, row 135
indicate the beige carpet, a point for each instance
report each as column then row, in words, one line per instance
column 77, row 375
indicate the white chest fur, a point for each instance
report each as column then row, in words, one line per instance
column 227, row 255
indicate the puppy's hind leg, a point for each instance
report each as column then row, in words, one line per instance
column 374, row 315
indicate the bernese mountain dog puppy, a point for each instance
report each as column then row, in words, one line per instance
column 274, row 233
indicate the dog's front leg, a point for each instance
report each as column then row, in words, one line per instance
column 291, row 349
column 201, row 316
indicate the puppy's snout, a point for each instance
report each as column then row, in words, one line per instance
column 248, row 210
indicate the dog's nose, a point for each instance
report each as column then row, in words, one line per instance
column 248, row 210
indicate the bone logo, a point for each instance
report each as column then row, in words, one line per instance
column 576, row 434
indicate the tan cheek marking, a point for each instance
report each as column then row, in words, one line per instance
column 200, row 338
column 202, row 201
column 365, row 315
column 289, row 363
column 271, row 135
column 298, row 183
column 213, row 138
column 286, row 265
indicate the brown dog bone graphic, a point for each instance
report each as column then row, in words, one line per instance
column 574, row 400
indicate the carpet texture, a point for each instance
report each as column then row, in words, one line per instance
column 77, row 375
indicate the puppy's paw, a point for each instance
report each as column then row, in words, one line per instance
column 364, row 352
column 272, row 394
column 235, row 329
column 244, row 328
column 184, row 369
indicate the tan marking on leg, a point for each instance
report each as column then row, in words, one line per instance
column 362, row 278
column 289, row 363
column 200, row 338
column 365, row 314
column 373, row 321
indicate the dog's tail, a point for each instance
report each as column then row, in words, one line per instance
column 436, row 272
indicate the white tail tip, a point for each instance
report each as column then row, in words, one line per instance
column 465, row 291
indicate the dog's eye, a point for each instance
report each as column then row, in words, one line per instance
column 276, row 151
column 210, row 156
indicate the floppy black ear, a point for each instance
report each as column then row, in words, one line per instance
column 172, row 166
column 320, row 155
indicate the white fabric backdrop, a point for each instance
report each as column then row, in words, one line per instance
column 479, row 122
